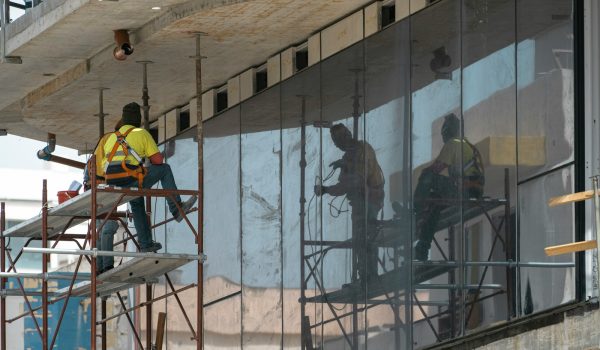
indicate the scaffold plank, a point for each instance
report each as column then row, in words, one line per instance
column 71, row 212
column 130, row 273
column 389, row 282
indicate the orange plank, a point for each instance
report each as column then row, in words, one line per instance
column 570, row 247
column 570, row 198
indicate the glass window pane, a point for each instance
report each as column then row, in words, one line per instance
column 345, row 209
column 223, row 325
column 387, row 91
column 490, row 158
column 181, row 153
column 222, row 271
column 545, row 85
column 436, row 170
column 301, row 136
column 543, row 287
column 261, row 221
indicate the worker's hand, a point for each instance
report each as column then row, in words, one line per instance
column 337, row 164
column 320, row 190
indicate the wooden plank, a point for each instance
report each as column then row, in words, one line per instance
column 570, row 247
column 570, row 198
column 160, row 330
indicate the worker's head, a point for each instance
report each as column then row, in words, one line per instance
column 451, row 127
column 132, row 115
column 341, row 136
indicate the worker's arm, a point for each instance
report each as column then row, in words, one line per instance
column 156, row 158
column 335, row 190
column 436, row 168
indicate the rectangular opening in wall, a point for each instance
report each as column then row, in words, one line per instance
column 301, row 58
column 154, row 131
column 184, row 119
column 221, row 99
column 261, row 78
column 388, row 13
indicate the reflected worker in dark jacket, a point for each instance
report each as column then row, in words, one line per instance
column 464, row 164
column 358, row 167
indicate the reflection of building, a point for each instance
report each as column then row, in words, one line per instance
column 277, row 75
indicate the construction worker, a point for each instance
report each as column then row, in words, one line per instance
column 463, row 164
column 124, row 152
column 358, row 167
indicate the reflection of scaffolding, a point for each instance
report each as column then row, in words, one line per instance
column 99, row 202
column 399, row 286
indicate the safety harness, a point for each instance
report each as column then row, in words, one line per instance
column 478, row 180
column 137, row 172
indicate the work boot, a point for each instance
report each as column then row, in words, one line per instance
column 152, row 248
column 185, row 206
column 421, row 251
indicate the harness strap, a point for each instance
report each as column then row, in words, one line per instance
column 138, row 172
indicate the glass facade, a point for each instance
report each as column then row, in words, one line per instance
column 394, row 195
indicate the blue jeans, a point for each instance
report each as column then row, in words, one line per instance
column 154, row 174
column 105, row 242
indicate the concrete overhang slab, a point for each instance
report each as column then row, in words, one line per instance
column 242, row 34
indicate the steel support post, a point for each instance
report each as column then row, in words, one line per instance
column 148, row 316
column 2, row 279
column 93, row 258
column 145, row 96
column 103, row 325
column 101, row 113
column 305, row 328
column 45, row 265
column 199, row 238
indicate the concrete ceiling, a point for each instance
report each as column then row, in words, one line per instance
column 66, row 47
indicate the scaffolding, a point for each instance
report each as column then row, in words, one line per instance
column 399, row 286
column 143, row 269
column 100, row 202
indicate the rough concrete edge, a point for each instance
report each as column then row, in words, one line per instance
column 176, row 13
column 31, row 24
column 71, row 75
column 516, row 327
column 105, row 53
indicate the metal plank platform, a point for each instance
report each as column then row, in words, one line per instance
column 78, row 208
column 389, row 282
column 130, row 273
column 395, row 233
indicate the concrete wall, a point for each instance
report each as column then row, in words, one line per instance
column 575, row 332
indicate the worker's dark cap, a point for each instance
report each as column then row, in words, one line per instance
column 132, row 114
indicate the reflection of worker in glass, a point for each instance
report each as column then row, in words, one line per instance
column 358, row 167
column 433, row 185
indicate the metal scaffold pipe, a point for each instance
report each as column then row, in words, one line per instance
column 101, row 113
column 38, row 275
column 199, row 239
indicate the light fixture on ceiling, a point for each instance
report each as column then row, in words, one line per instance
column 124, row 47
column 156, row 8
